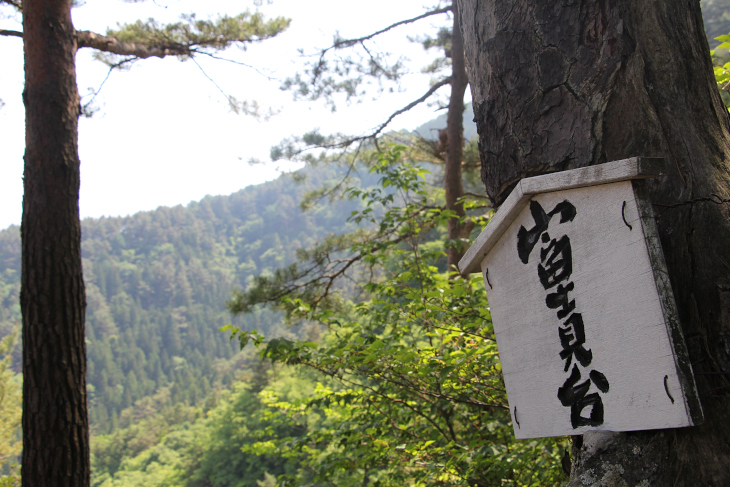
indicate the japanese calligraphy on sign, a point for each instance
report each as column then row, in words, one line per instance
column 556, row 266
column 582, row 310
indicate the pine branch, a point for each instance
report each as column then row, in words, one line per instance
column 318, row 278
column 102, row 43
column 345, row 74
column 316, row 282
column 343, row 43
column 186, row 37
column 430, row 92
column 342, row 144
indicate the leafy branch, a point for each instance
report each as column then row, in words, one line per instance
column 416, row 389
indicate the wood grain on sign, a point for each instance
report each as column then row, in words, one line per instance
column 619, row 363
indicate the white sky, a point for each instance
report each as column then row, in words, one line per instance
column 164, row 134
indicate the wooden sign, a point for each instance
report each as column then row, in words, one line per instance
column 582, row 306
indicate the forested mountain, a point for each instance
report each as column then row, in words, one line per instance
column 157, row 283
column 716, row 15
column 431, row 128
column 170, row 398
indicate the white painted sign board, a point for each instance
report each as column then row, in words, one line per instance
column 582, row 307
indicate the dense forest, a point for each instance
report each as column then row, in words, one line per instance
column 716, row 14
column 157, row 283
column 174, row 402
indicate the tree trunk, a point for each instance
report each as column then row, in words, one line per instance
column 457, row 229
column 55, row 421
column 563, row 84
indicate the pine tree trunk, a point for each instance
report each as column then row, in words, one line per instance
column 453, row 184
column 55, row 421
column 563, row 84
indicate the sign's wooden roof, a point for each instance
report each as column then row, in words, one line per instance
column 610, row 172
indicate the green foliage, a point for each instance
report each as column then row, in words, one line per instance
column 417, row 397
column 157, row 283
column 10, row 414
column 716, row 16
column 156, row 287
column 238, row 421
column 351, row 75
column 194, row 36
column 146, row 423
column 722, row 70
column 182, row 446
column 192, row 32
column 321, row 269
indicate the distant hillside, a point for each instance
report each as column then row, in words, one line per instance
column 716, row 15
column 157, row 283
column 429, row 130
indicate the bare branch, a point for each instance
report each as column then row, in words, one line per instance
column 392, row 116
column 311, row 197
column 430, row 92
column 233, row 61
column 319, row 276
column 211, row 80
column 332, row 274
column 86, row 108
column 11, row 33
column 351, row 42
column 377, row 130
column 99, row 42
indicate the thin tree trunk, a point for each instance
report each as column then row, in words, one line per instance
column 457, row 229
column 562, row 84
column 55, row 421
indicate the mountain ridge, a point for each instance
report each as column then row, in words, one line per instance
column 157, row 283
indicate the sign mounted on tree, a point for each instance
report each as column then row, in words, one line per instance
column 582, row 306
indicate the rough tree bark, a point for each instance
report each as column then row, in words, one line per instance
column 55, row 420
column 457, row 229
column 563, row 84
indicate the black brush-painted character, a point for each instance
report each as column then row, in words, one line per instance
column 572, row 338
column 560, row 299
column 573, row 395
column 527, row 239
column 556, row 266
column 556, row 262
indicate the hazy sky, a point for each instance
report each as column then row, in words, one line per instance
column 164, row 134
